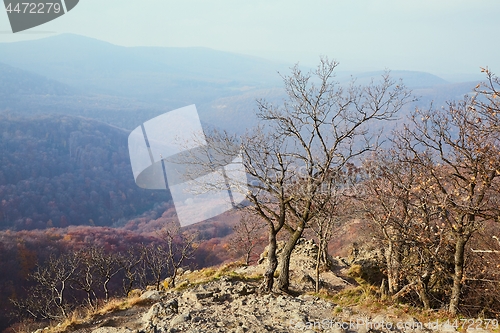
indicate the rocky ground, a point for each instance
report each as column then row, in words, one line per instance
column 232, row 302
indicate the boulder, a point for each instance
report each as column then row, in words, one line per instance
column 161, row 310
column 151, row 295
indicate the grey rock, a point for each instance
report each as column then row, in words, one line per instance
column 152, row 295
column 307, row 280
column 159, row 310
column 221, row 297
column 196, row 296
column 243, row 290
column 179, row 319
column 296, row 317
column 281, row 301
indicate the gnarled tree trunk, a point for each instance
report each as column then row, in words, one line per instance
column 272, row 262
column 458, row 274
column 284, row 278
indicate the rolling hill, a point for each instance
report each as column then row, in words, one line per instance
column 61, row 170
column 125, row 86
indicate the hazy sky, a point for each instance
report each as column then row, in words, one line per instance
column 439, row 36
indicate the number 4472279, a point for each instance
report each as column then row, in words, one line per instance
column 34, row 8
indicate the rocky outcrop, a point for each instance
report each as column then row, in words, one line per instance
column 233, row 306
column 229, row 305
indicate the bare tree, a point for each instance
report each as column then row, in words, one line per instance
column 247, row 235
column 270, row 174
column 268, row 170
column 407, row 219
column 386, row 204
column 319, row 128
column 107, row 265
column 333, row 213
column 458, row 148
column 85, row 277
column 487, row 101
column 48, row 299
column 326, row 125
column 153, row 257
column 130, row 264
column 178, row 246
column 323, row 226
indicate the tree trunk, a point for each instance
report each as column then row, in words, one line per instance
column 422, row 294
column 247, row 257
column 106, row 290
column 318, row 262
column 172, row 279
column 393, row 259
column 323, row 248
column 60, row 298
column 158, row 282
column 127, row 287
column 272, row 262
column 89, row 298
column 284, row 278
column 458, row 274
column 424, row 286
column 383, row 289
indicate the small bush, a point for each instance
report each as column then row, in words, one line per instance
column 367, row 272
column 355, row 271
column 356, row 296
column 134, row 293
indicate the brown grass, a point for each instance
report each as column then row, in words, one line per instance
column 82, row 315
column 209, row 274
column 120, row 304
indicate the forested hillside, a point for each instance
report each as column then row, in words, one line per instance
column 57, row 171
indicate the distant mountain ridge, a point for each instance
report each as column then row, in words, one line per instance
column 411, row 79
column 125, row 86
column 144, row 72
column 14, row 81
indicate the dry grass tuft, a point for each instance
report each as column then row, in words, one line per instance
column 212, row 274
column 81, row 316
column 121, row 304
